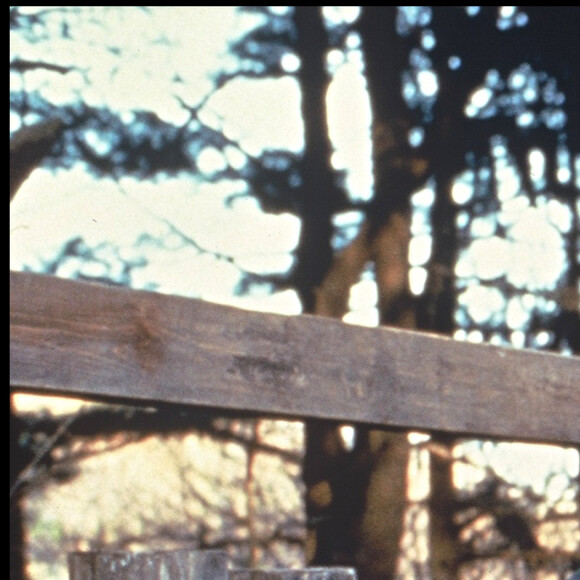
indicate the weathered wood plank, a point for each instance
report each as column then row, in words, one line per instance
column 160, row 565
column 320, row 573
column 89, row 339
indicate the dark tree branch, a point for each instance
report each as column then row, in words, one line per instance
column 28, row 147
column 22, row 65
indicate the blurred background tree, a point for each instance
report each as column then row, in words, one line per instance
column 410, row 166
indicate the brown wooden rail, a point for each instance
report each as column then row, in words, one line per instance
column 152, row 565
column 94, row 340
column 186, row 565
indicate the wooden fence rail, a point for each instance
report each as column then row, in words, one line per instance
column 318, row 573
column 156, row 565
column 93, row 340
column 185, row 565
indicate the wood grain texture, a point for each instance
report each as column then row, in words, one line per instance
column 150, row 565
column 94, row 340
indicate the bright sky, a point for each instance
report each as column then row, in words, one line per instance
column 53, row 208
column 163, row 59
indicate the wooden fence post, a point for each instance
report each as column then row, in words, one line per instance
column 321, row 573
column 159, row 565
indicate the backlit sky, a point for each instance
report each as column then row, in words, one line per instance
column 53, row 208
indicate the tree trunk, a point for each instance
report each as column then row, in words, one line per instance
column 318, row 196
column 318, row 199
column 344, row 488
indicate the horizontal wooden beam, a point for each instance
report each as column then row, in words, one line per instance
column 94, row 340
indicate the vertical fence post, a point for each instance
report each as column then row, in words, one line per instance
column 160, row 565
